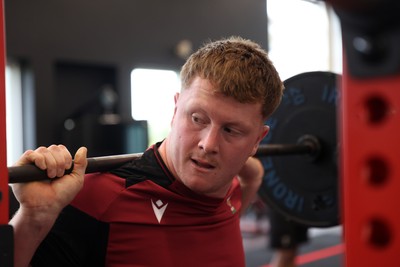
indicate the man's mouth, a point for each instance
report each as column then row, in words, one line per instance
column 203, row 164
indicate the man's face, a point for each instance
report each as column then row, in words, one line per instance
column 211, row 138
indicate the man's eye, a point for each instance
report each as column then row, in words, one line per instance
column 197, row 119
column 230, row 131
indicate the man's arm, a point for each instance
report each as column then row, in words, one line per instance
column 41, row 202
column 250, row 178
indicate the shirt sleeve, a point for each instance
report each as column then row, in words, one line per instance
column 76, row 239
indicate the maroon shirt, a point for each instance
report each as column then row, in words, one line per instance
column 139, row 215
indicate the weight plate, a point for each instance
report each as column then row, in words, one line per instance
column 301, row 187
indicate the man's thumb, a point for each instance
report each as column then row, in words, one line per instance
column 80, row 161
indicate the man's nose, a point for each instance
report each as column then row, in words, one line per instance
column 210, row 140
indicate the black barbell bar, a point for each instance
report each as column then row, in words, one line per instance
column 306, row 145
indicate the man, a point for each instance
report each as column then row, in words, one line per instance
column 179, row 204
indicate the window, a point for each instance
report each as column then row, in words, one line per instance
column 303, row 36
column 152, row 99
column 14, row 130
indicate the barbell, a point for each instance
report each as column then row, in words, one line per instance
column 30, row 173
column 302, row 184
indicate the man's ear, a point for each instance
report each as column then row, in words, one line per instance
column 263, row 132
column 176, row 97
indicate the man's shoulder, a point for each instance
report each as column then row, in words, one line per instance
column 147, row 167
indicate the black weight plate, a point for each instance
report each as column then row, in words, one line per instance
column 303, row 188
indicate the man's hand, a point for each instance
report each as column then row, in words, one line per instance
column 51, row 196
column 42, row 201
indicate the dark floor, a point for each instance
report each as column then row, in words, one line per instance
column 323, row 249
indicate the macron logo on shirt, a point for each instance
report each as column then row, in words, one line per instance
column 159, row 208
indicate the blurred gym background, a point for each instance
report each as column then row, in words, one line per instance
column 103, row 73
